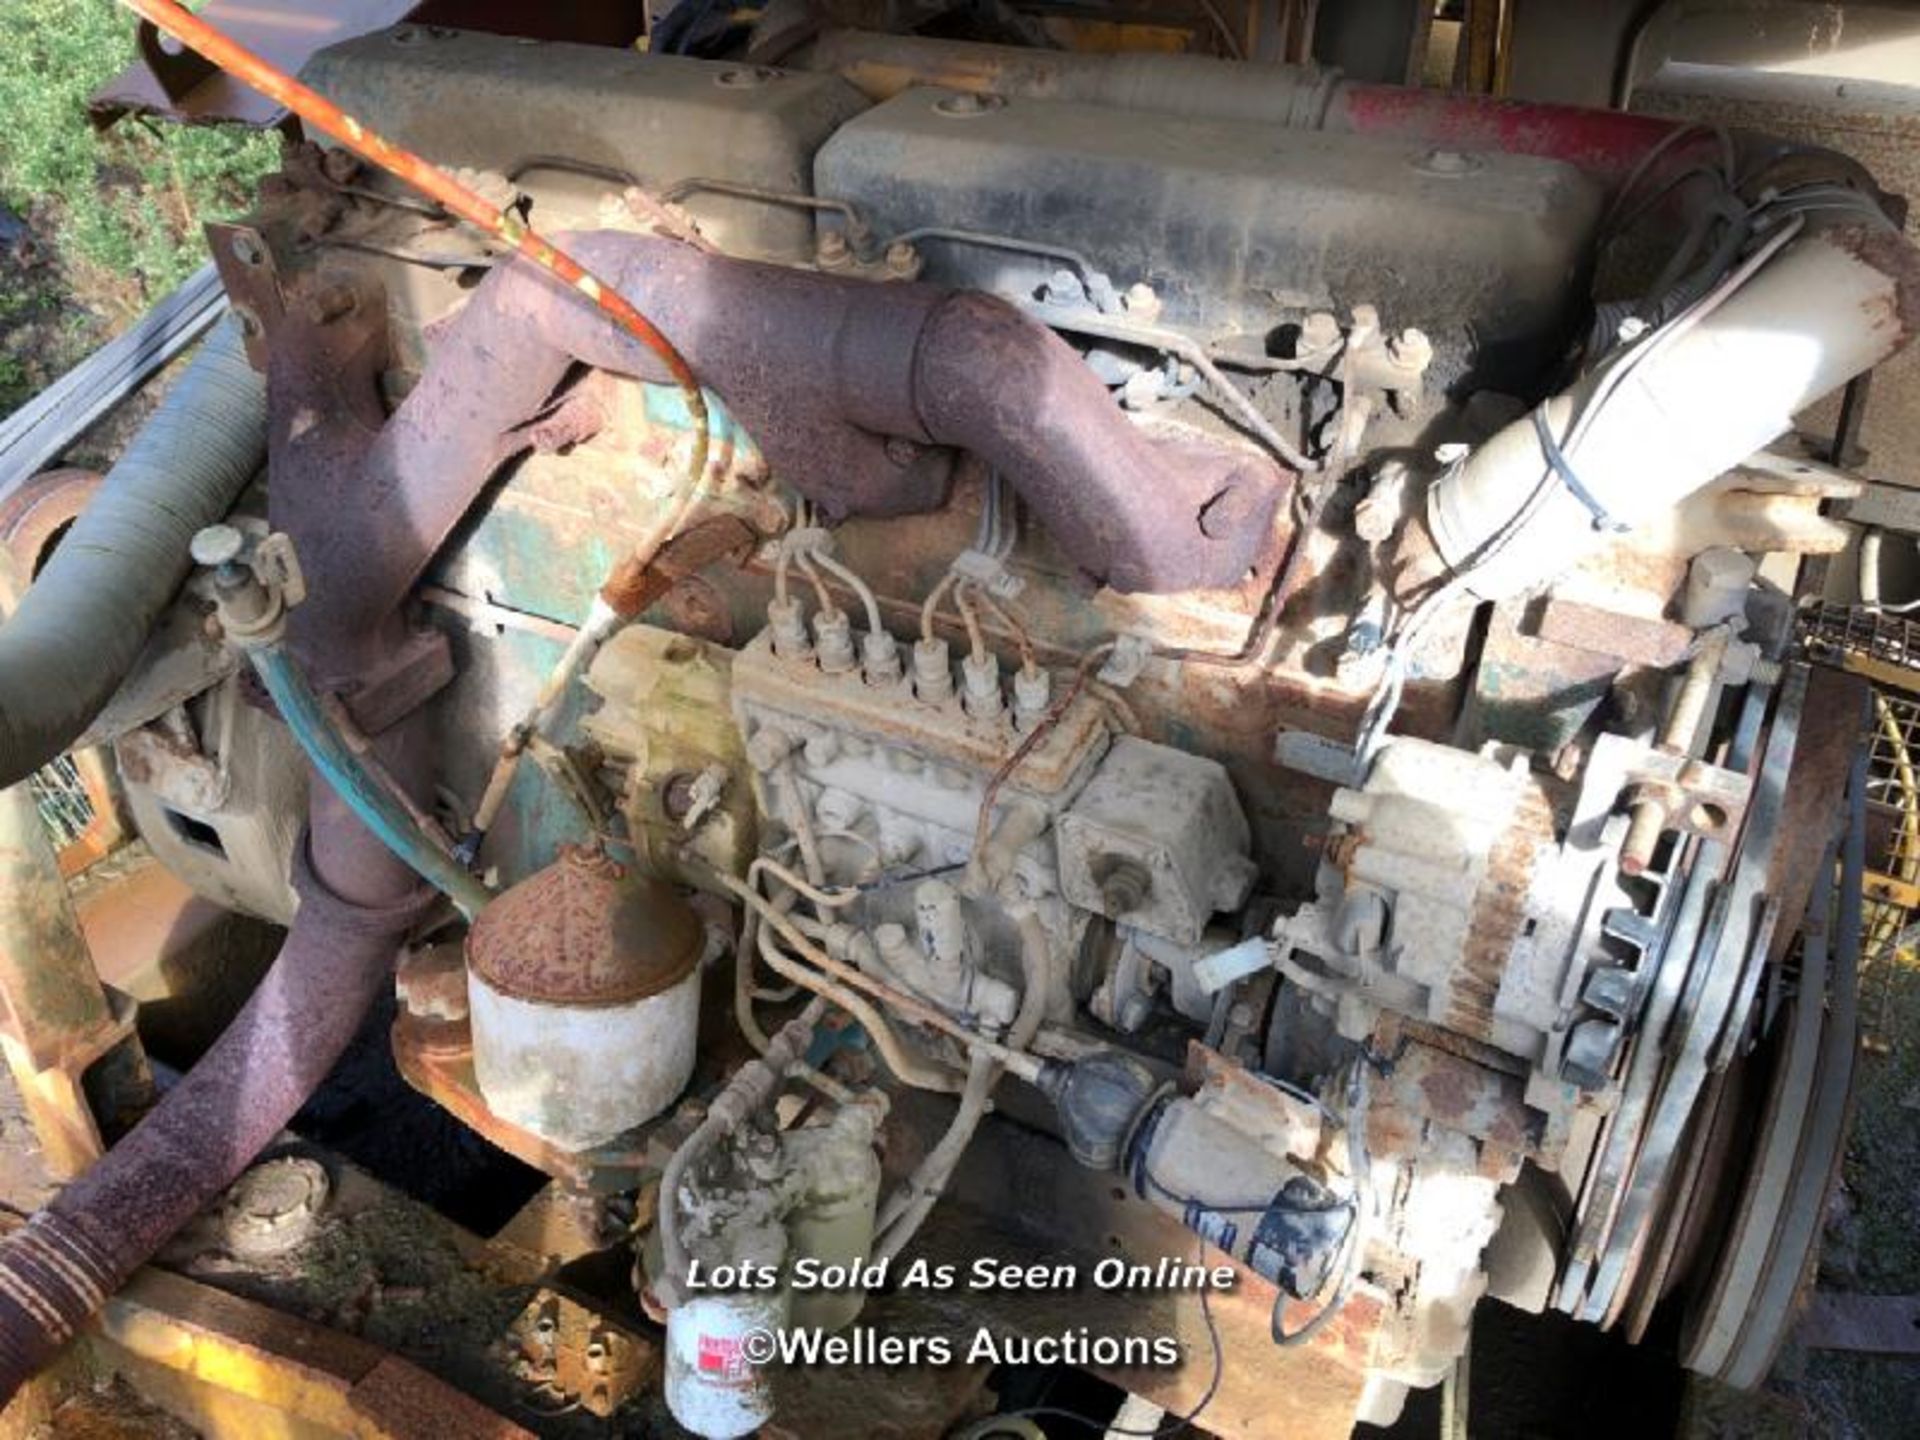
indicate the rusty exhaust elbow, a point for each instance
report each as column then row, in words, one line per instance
column 1137, row 511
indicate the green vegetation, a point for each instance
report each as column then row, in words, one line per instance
column 100, row 225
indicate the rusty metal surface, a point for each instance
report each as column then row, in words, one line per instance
column 54, row 1007
column 1137, row 513
column 678, row 563
column 1283, row 1124
column 568, row 1349
column 103, row 1226
column 907, row 365
column 1499, row 913
column 1429, row 1085
column 1829, row 734
column 584, row 931
column 1631, row 639
column 33, row 517
column 57, row 1022
column 286, row 32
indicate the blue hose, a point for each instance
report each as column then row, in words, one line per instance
column 366, row 796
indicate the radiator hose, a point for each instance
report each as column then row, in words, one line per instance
column 84, row 620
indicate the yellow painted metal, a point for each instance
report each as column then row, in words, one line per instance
column 231, row 1367
column 1882, row 672
column 56, row 1020
column 1886, row 889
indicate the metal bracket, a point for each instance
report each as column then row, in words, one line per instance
column 1697, row 797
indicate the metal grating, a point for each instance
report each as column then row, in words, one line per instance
column 1885, row 648
column 1837, row 634
column 61, row 797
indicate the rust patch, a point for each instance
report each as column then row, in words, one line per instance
column 584, row 931
column 1630, row 638
column 1499, row 911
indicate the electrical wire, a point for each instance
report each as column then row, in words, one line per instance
column 1644, row 165
column 1046, row 725
column 1359, row 1163
column 1390, row 688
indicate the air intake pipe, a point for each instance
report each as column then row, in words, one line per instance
column 70, row 1256
column 1824, row 301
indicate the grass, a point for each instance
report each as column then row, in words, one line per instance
column 101, row 226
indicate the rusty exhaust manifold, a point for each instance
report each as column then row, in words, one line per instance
column 852, row 390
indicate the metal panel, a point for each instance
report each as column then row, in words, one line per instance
column 1235, row 228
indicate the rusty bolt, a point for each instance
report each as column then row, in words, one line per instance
column 768, row 747
column 902, row 258
column 247, row 249
column 1124, row 886
column 1448, row 162
column 1410, row 349
column 249, row 321
column 902, row 451
column 964, row 103
column 272, row 1208
column 832, row 249
column 1143, row 302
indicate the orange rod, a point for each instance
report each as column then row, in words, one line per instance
column 323, row 115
